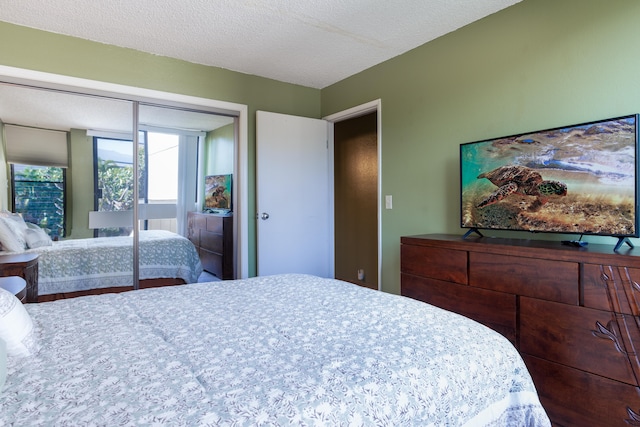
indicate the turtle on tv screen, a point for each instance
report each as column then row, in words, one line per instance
column 218, row 196
column 578, row 179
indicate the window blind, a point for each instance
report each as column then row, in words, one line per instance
column 39, row 147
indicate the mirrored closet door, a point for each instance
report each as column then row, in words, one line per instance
column 75, row 164
column 179, row 149
column 48, row 170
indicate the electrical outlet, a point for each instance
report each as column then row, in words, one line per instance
column 361, row 274
column 388, row 202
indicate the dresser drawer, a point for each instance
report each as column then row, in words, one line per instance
column 213, row 237
column 211, row 262
column 212, row 242
column 607, row 288
column 198, row 221
column 195, row 223
column 215, row 223
column 565, row 334
column 436, row 263
column 538, row 278
column 575, row 398
column 194, row 238
column 496, row 310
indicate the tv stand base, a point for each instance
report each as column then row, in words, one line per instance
column 622, row 240
column 472, row 230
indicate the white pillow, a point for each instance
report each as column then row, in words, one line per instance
column 36, row 237
column 10, row 236
column 16, row 326
column 17, row 218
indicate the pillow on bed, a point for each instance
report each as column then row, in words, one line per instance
column 17, row 223
column 16, row 218
column 36, row 237
column 16, row 326
column 11, row 236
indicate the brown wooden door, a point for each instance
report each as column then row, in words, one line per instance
column 356, row 200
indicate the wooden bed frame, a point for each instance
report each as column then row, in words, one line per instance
column 147, row 283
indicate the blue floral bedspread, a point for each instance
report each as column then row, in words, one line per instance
column 275, row 351
column 104, row 262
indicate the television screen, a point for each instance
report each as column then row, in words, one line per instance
column 578, row 179
column 218, row 193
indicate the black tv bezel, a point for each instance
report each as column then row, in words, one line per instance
column 621, row 237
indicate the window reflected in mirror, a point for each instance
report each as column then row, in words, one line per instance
column 71, row 168
column 39, row 196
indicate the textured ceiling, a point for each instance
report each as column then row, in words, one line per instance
column 313, row 43
column 64, row 111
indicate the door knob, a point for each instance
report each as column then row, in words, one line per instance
column 264, row 216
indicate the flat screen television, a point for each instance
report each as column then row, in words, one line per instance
column 578, row 179
column 218, row 193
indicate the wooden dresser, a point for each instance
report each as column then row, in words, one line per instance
column 573, row 313
column 213, row 237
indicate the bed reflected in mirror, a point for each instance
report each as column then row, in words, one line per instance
column 79, row 197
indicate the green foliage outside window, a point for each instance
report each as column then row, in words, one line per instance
column 40, row 197
column 116, row 185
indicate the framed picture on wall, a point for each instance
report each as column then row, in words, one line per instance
column 218, row 192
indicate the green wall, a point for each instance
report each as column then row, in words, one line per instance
column 219, row 153
column 219, row 150
column 54, row 53
column 536, row 65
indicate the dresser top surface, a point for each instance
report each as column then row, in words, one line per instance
column 593, row 253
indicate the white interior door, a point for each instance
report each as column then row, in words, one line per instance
column 294, row 224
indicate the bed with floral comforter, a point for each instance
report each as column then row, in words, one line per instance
column 105, row 262
column 275, row 350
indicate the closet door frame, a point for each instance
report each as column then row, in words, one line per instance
column 136, row 94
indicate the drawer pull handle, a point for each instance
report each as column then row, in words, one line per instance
column 608, row 332
column 634, row 418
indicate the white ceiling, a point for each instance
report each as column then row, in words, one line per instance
column 313, row 43
column 45, row 109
